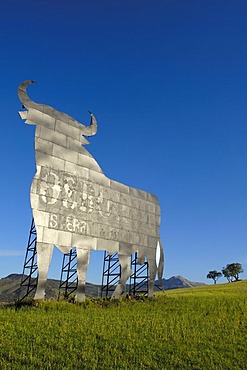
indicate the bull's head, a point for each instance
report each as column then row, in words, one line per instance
column 31, row 106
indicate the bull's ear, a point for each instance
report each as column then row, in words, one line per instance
column 23, row 114
column 84, row 141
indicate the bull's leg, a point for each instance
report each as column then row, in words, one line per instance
column 44, row 255
column 152, row 273
column 125, row 274
column 83, row 256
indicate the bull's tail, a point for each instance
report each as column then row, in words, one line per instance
column 160, row 261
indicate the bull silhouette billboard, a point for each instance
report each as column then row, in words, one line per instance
column 75, row 205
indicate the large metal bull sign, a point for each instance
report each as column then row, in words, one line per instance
column 75, row 205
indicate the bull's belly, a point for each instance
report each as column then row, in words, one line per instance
column 72, row 211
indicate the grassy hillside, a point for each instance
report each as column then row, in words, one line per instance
column 195, row 328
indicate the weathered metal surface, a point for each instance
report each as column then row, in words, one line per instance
column 75, row 204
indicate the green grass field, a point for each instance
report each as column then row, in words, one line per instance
column 196, row 328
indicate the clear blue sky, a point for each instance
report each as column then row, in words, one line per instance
column 167, row 82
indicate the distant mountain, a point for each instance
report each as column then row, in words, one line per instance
column 10, row 287
column 179, row 281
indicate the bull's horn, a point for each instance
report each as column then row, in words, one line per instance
column 24, row 98
column 28, row 103
column 92, row 129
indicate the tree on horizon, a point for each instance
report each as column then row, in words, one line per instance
column 232, row 271
column 215, row 275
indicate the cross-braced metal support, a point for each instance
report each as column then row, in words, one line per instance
column 69, row 280
column 111, row 274
column 30, row 270
column 139, row 277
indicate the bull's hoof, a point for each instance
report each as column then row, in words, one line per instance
column 80, row 297
column 39, row 297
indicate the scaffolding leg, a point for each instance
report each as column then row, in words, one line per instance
column 29, row 277
column 68, row 280
column 111, row 274
column 139, row 277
